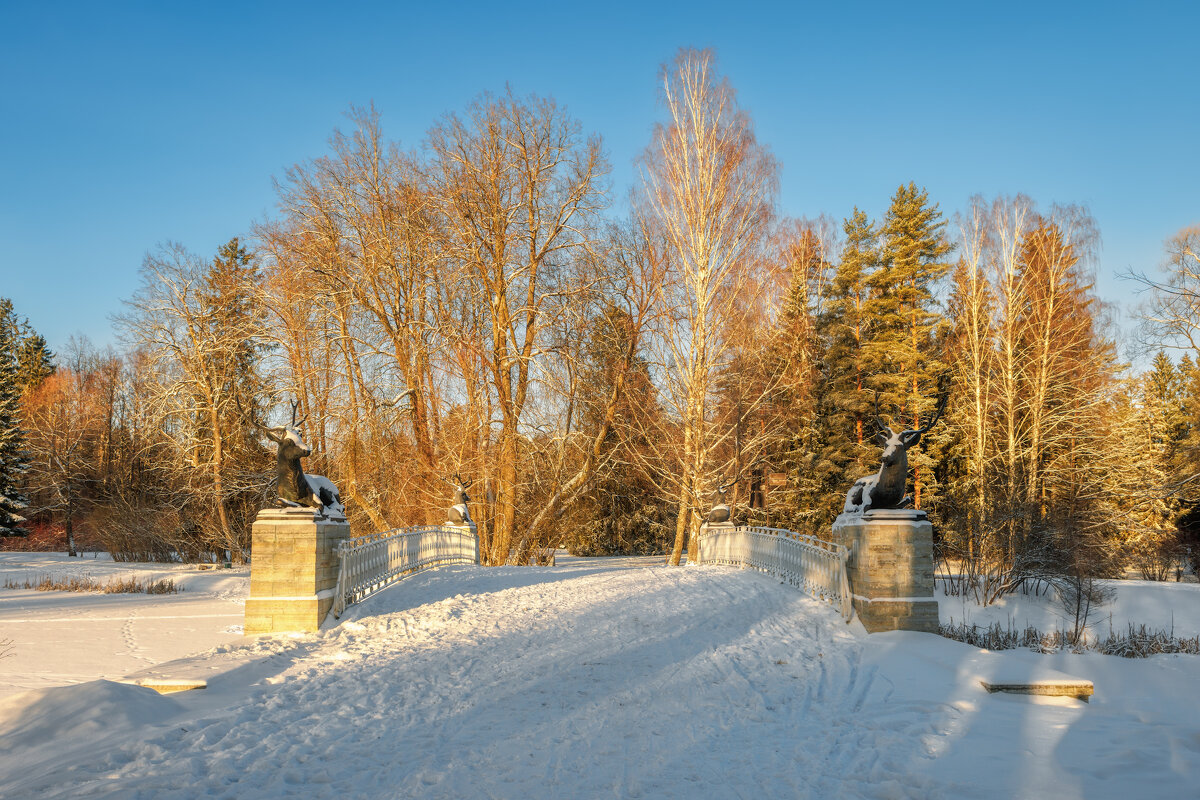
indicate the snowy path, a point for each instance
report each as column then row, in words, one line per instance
column 610, row 680
column 572, row 682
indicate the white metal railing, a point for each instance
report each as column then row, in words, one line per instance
column 368, row 563
column 810, row 564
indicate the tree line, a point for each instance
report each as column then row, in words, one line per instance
column 476, row 306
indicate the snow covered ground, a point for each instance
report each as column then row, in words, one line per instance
column 68, row 637
column 596, row 678
column 1156, row 604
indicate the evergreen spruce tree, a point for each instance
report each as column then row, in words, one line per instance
column 1184, row 467
column 13, row 459
column 1165, row 397
column 1142, row 418
column 1185, row 463
column 35, row 361
column 623, row 514
column 1165, row 402
column 904, row 348
column 234, row 346
column 846, row 395
column 794, row 360
column 237, row 319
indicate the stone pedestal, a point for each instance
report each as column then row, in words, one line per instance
column 706, row 528
column 466, row 527
column 890, row 568
column 293, row 570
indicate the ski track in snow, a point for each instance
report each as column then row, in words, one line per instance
column 528, row 683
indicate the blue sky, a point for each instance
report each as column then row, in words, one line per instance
column 125, row 125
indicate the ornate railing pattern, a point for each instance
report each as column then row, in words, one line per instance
column 369, row 563
column 810, row 564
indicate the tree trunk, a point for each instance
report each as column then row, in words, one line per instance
column 681, row 524
column 68, row 525
column 506, row 509
column 218, row 478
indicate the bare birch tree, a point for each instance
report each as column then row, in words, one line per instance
column 1034, row 380
column 972, row 360
column 709, row 187
column 1172, row 314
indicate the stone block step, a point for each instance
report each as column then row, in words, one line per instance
column 167, row 686
column 1070, row 687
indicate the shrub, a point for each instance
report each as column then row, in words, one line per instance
column 86, row 583
column 1138, row 642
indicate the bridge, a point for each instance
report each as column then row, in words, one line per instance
column 367, row 564
column 306, row 569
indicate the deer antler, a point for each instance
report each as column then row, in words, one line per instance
column 936, row 414
column 272, row 433
column 457, row 483
column 912, row 437
column 879, row 423
column 295, row 407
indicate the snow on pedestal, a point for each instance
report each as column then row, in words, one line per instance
column 890, row 568
column 293, row 569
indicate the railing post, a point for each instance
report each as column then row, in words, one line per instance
column 339, row 597
column 778, row 557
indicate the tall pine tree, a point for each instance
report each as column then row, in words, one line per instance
column 910, row 325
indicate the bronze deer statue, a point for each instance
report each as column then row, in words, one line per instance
column 720, row 511
column 295, row 487
column 458, row 514
column 885, row 489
